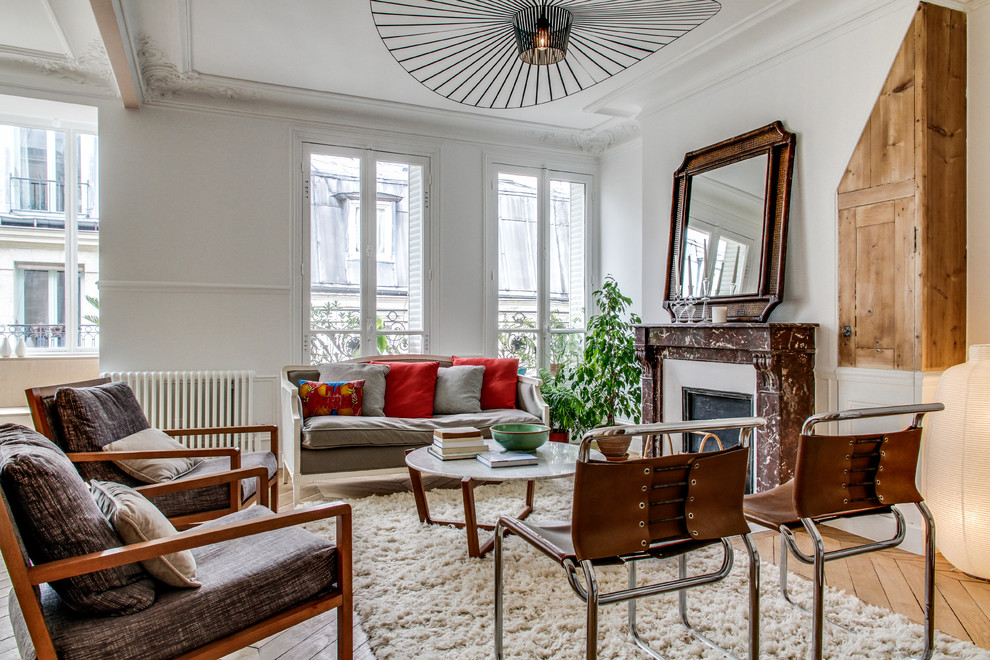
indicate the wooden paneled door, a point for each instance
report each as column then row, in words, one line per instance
column 902, row 210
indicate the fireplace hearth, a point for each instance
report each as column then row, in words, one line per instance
column 783, row 356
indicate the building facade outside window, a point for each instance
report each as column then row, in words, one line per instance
column 365, row 254
column 49, row 225
column 543, row 269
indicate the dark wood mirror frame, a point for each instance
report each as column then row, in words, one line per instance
column 777, row 144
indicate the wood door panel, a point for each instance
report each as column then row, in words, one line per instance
column 875, row 292
column 892, row 122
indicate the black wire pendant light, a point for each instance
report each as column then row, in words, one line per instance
column 519, row 53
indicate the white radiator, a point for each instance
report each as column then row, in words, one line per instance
column 196, row 399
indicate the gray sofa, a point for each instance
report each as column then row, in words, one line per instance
column 318, row 447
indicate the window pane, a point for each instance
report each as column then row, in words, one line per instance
column 335, row 270
column 567, row 266
column 517, row 252
column 400, row 236
column 694, row 282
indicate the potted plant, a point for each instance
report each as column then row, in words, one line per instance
column 608, row 381
column 565, row 407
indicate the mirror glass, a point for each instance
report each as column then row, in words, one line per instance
column 723, row 238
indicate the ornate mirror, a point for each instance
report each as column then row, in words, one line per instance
column 728, row 227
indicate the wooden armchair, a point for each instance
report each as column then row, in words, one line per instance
column 260, row 572
column 226, row 481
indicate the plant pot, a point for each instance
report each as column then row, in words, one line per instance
column 560, row 435
column 614, row 447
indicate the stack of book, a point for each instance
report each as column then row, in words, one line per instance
column 456, row 443
column 497, row 459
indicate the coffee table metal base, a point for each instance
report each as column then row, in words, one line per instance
column 470, row 523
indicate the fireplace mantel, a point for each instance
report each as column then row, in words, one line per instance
column 783, row 355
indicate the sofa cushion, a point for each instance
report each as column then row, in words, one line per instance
column 409, row 389
column 58, row 519
column 152, row 470
column 498, row 389
column 245, row 581
column 373, row 375
column 329, row 432
column 458, row 390
column 331, row 398
column 137, row 520
column 93, row 417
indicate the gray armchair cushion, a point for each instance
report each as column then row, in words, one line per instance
column 93, row 417
column 244, row 581
column 374, row 382
column 58, row 518
column 214, row 497
column 458, row 390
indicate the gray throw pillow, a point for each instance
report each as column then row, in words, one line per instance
column 374, row 382
column 58, row 519
column 137, row 520
column 458, row 390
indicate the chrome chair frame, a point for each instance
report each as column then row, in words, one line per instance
column 589, row 591
column 819, row 556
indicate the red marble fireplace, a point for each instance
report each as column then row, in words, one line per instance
column 783, row 355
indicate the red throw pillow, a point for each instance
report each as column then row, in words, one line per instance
column 331, row 398
column 409, row 388
column 498, row 388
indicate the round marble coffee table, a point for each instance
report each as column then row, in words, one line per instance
column 555, row 460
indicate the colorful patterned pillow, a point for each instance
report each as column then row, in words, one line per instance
column 331, row 398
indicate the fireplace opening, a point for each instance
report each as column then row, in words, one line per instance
column 714, row 404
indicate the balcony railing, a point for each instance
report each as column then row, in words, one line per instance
column 46, row 196
column 50, row 335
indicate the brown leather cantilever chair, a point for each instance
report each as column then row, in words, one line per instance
column 844, row 476
column 651, row 508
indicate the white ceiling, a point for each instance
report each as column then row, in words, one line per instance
column 325, row 51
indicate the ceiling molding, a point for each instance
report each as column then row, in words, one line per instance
column 165, row 85
column 59, row 31
column 592, row 142
column 771, row 54
column 90, row 68
column 712, row 42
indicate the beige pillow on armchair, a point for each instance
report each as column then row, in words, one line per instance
column 152, row 470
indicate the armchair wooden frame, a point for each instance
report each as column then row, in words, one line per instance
column 266, row 493
column 25, row 577
column 846, row 476
column 669, row 485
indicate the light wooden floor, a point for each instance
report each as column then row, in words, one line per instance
column 891, row 579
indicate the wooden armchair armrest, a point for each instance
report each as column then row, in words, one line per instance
column 233, row 477
column 234, row 453
column 194, row 538
column 270, row 429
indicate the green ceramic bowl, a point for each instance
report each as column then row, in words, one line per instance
column 520, row 437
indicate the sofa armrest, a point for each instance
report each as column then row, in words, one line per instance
column 530, row 399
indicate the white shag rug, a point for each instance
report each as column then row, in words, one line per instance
column 419, row 595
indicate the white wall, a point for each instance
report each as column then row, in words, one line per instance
column 621, row 219
column 197, row 239
column 824, row 92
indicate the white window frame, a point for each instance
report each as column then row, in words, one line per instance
column 306, row 144
column 545, row 173
column 72, row 129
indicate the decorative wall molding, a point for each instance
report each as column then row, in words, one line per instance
column 206, row 288
column 161, row 78
column 594, row 142
column 91, row 68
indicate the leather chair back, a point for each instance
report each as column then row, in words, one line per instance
column 837, row 474
column 626, row 507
